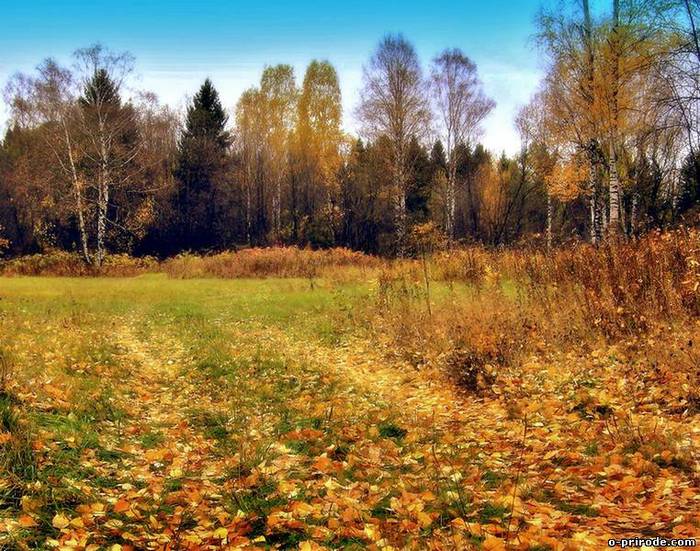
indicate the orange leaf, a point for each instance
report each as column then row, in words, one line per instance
column 121, row 506
column 25, row 521
column 493, row 544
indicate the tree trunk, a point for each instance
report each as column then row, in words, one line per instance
column 693, row 28
column 248, row 201
column 248, row 218
column 77, row 189
column 614, row 192
column 294, row 207
column 400, row 202
column 603, row 219
column 614, row 179
column 590, row 91
column 277, row 210
column 81, row 220
column 594, row 213
column 550, row 208
column 451, row 199
column 401, row 222
column 450, row 211
column 102, row 199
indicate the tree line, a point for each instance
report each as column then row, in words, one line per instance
column 615, row 121
column 609, row 147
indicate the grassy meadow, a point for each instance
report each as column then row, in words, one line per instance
column 480, row 401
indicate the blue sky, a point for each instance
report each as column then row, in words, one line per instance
column 178, row 43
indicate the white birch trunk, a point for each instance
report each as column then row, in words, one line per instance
column 594, row 213
column 400, row 203
column 633, row 215
column 451, row 198
column 450, row 211
column 103, row 198
column 614, row 193
column 614, row 178
column 77, row 190
column 277, row 210
column 550, row 208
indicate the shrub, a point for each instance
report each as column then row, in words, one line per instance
column 618, row 287
column 65, row 264
column 471, row 265
column 267, row 262
column 518, row 302
column 470, row 370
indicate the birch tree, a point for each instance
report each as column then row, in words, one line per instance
column 394, row 104
column 536, row 147
column 632, row 44
column 572, row 95
column 462, row 106
column 558, row 164
column 278, row 93
column 48, row 101
column 319, row 140
column 614, row 43
column 250, row 140
column 108, row 127
column 103, row 179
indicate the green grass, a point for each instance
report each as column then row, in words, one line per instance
column 490, row 512
column 492, row 479
column 391, row 430
column 90, row 300
column 151, row 439
column 65, row 334
column 8, row 414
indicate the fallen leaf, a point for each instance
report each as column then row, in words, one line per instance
column 60, row 521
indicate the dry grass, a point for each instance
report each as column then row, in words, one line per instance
column 621, row 287
column 286, row 262
column 268, row 262
column 64, row 264
column 504, row 305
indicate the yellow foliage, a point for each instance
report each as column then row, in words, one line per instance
column 566, row 179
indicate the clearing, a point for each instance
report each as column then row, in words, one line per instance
column 153, row 413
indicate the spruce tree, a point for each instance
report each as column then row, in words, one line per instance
column 438, row 158
column 418, row 187
column 100, row 90
column 200, row 172
column 206, row 118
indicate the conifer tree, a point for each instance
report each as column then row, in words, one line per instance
column 202, row 157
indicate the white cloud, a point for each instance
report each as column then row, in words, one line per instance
column 511, row 87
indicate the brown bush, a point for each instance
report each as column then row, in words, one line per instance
column 619, row 287
column 263, row 262
column 518, row 302
column 65, row 264
column 470, row 370
column 268, row 262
